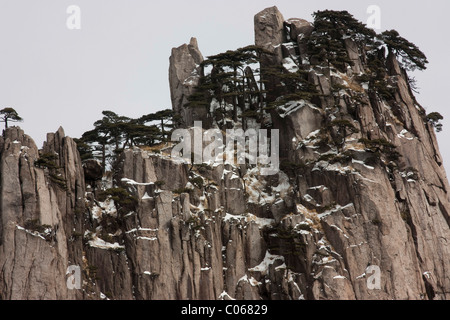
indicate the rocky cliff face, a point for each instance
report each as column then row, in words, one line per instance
column 40, row 214
column 160, row 228
column 339, row 216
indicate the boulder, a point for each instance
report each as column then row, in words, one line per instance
column 299, row 27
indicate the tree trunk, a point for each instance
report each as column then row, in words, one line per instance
column 162, row 131
column 104, row 157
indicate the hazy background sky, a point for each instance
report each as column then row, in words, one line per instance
column 119, row 59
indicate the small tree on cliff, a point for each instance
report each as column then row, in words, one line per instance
column 164, row 120
column 435, row 119
column 112, row 125
column 340, row 130
column 9, row 114
column 407, row 52
column 97, row 136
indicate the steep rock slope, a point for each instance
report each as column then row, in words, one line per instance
column 364, row 208
column 40, row 213
column 161, row 228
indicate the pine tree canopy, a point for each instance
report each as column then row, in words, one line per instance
column 9, row 114
column 409, row 54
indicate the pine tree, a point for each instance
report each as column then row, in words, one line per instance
column 203, row 94
column 435, row 119
column 164, row 120
column 136, row 133
column 294, row 86
column 341, row 129
column 107, row 131
column 84, row 149
column 97, row 136
column 410, row 56
column 231, row 82
column 327, row 41
column 9, row 114
column 112, row 125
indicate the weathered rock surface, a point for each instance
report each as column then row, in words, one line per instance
column 299, row 27
column 269, row 33
column 39, row 216
column 371, row 215
column 166, row 229
column 184, row 73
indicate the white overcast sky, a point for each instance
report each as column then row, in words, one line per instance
column 119, row 59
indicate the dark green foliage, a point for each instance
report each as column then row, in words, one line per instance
column 121, row 197
column 332, row 158
column 105, row 236
column 117, row 133
column 135, row 133
column 344, row 124
column 327, row 47
column 159, row 184
column 435, row 119
column 59, row 181
column 377, row 222
column 304, row 226
column 44, row 230
column 164, row 127
column 181, row 190
column 84, row 149
column 376, row 76
column 9, row 114
column 228, row 80
column 292, row 169
column 339, row 130
column 197, row 182
column 380, row 147
column 327, row 42
column 231, row 81
column 407, row 52
column 291, row 86
column 338, row 87
column 249, row 114
column 203, row 93
column 203, row 168
column 406, row 215
column 77, row 235
column 47, row 161
column 103, row 134
column 35, row 225
column 195, row 223
column 323, row 139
